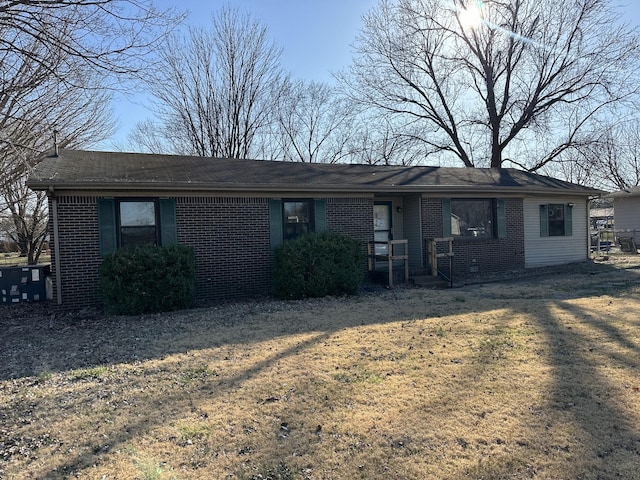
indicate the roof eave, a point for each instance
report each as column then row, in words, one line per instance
column 400, row 189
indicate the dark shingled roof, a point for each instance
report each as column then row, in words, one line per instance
column 75, row 169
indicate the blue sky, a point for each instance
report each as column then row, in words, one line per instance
column 315, row 35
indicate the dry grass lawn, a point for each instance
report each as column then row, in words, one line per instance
column 534, row 378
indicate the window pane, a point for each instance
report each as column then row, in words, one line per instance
column 297, row 219
column 138, row 223
column 134, row 236
column 137, row 214
column 556, row 219
column 296, row 212
column 472, row 218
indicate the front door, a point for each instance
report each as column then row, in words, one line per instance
column 382, row 226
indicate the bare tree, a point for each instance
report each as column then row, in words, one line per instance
column 82, row 119
column 483, row 83
column 376, row 141
column 216, row 90
column 107, row 36
column 78, row 109
column 314, row 123
column 57, row 60
column 26, row 223
column 614, row 161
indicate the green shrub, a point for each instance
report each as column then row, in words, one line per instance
column 317, row 265
column 148, row 279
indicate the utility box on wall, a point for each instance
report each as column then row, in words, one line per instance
column 24, row 284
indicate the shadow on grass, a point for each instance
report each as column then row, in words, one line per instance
column 36, row 344
column 84, row 342
column 587, row 392
column 166, row 402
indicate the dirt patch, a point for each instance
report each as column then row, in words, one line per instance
column 520, row 378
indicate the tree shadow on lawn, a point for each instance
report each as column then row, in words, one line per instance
column 38, row 344
column 79, row 343
column 589, row 356
column 144, row 411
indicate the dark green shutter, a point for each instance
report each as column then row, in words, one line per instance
column 446, row 217
column 275, row 222
column 568, row 221
column 544, row 221
column 168, row 228
column 107, row 225
column 320, row 215
column 501, row 218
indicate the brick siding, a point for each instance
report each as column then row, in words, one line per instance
column 477, row 256
column 352, row 217
column 231, row 240
column 79, row 248
column 230, row 237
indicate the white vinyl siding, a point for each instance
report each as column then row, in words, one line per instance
column 544, row 250
column 627, row 213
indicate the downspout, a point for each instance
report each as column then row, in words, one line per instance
column 56, row 244
column 589, row 203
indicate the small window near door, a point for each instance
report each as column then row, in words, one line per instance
column 298, row 218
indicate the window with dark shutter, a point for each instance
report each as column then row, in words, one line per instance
column 556, row 220
column 133, row 222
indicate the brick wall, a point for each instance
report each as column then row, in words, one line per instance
column 230, row 237
column 351, row 216
column 478, row 256
column 79, row 250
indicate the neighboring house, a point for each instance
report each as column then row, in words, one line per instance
column 626, row 204
column 234, row 212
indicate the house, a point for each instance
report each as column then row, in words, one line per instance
column 626, row 204
column 234, row 212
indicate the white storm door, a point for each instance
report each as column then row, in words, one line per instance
column 382, row 226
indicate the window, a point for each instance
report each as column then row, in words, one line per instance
column 472, row 218
column 556, row 220
column 290, row 218
column 138, row 223
column 131, row 222
column 298, row 218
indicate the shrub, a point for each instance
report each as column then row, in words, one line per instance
column 148, row 279
column 317, row 265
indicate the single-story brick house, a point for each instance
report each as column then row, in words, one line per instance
column 233, row 212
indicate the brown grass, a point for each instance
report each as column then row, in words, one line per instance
column 521, row 379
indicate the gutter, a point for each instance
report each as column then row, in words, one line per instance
column 462, row 190
column 56, row 244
